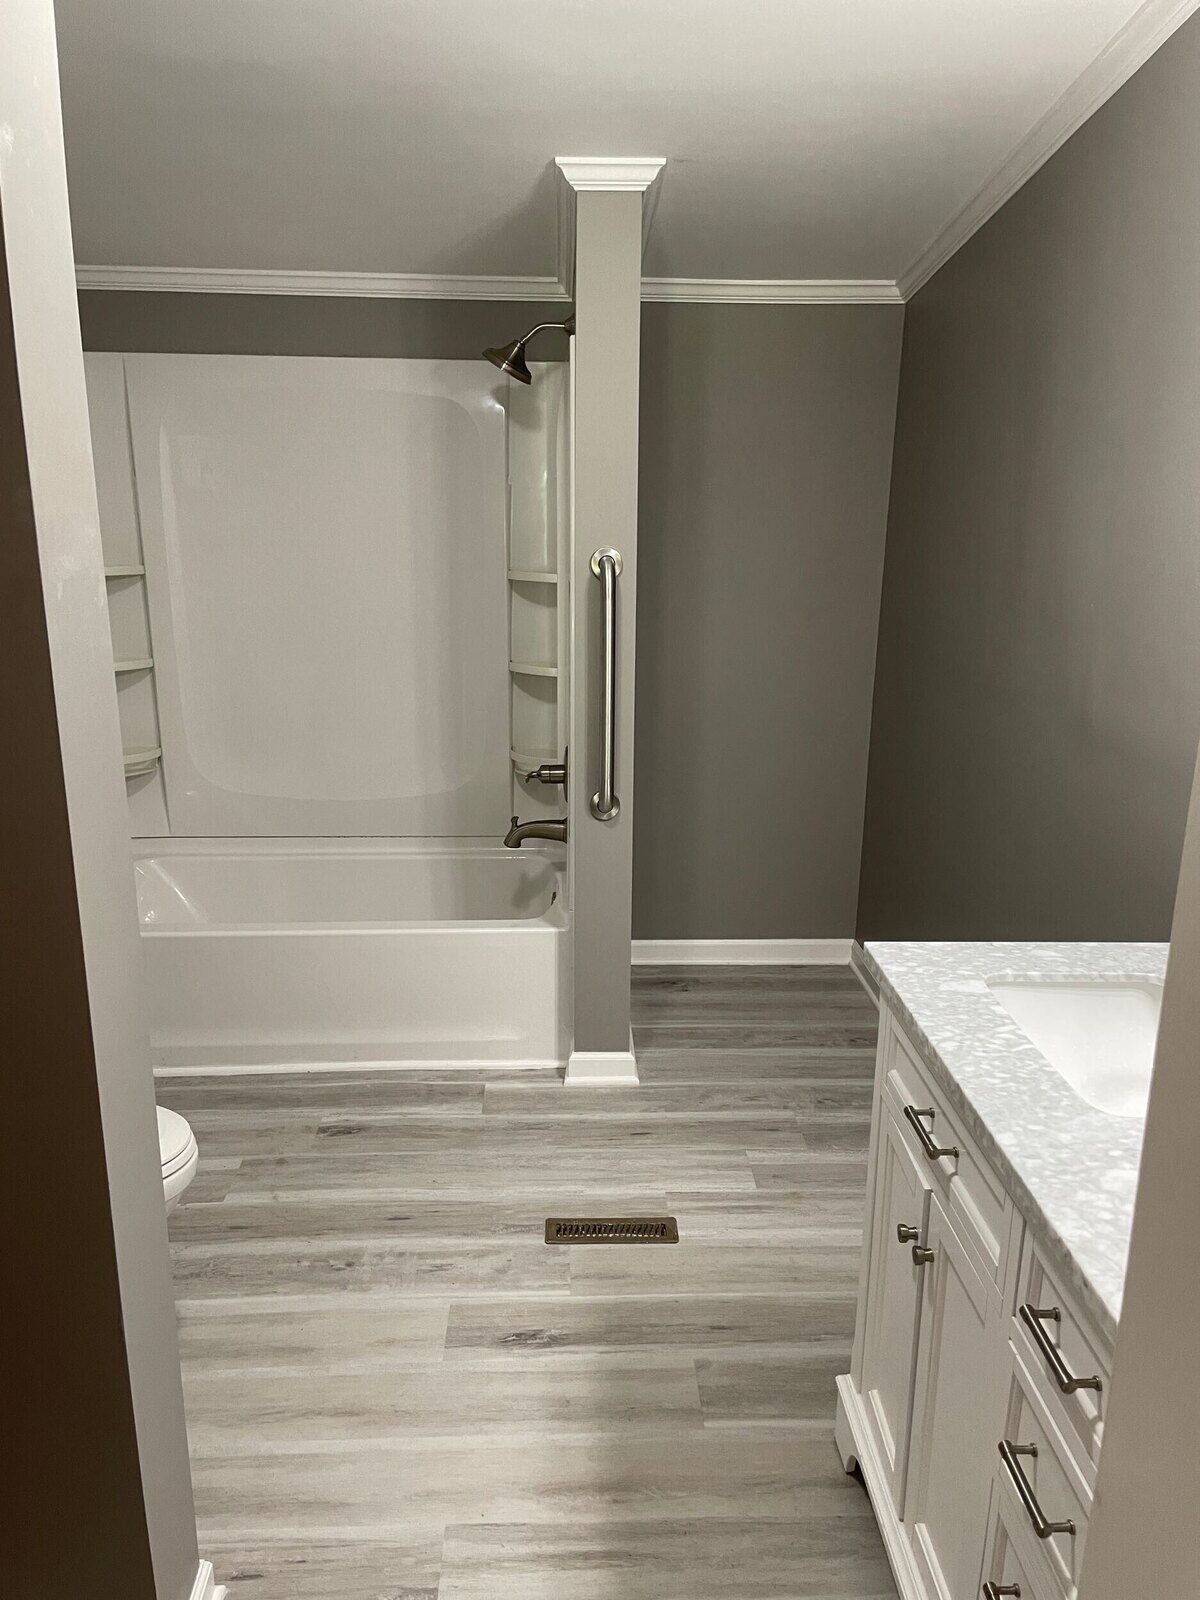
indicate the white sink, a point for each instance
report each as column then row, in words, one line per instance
column 1099, row 1035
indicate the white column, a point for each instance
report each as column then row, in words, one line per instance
column 1144, row 1535
column 116, row 1086
column 603, row 214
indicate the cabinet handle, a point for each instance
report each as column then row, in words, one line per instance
column 1009, row 1454
column 993, row 1591
column 905, row 1234
column 922, row 1255
column 933, row 1152
column 1033, row 1317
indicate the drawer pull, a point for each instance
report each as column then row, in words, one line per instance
column 907, row 1234
column 1033, row 1317
column 922, row 1255
column 933, row 1152
column 1009, row 1454
column 993, row 1591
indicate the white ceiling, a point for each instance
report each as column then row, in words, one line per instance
column 805, row 139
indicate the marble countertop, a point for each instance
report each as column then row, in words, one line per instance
column 1071, row 1169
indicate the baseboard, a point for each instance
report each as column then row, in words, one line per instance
column 742, row 952
column 205, row 1586
column 856, row 1448
column 252, row 1069
column 593, row 1069
column 858, row 966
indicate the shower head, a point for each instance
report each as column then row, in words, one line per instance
column 510, row 357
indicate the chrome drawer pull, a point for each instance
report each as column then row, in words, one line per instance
column 933, row 1152
column 993, row 1591
column 1009, row 1453
column 1033, row 1317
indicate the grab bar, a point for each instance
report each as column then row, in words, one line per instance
column 606, row 565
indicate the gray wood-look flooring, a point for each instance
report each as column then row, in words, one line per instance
column 396, row 1391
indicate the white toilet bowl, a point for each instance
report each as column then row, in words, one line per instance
column 177, row 1146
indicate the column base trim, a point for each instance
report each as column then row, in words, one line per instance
column 590, row 1069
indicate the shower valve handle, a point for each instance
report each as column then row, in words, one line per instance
column 551, row 772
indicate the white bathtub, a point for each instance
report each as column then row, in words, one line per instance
column 299, row 953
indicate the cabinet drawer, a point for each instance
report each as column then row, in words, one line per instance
column 1043, row 1477
column 1003, row 1566
column 1079, row 1412
column 973, row 1194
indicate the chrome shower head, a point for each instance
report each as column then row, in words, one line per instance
column 510, row 357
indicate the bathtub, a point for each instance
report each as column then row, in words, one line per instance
column 277, row 954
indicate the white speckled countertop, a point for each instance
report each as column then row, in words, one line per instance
column 1071, row 1169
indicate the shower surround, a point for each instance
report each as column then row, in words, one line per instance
column 333, row 594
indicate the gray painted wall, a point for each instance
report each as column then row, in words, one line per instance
column 765, row 450
column 1037, row 700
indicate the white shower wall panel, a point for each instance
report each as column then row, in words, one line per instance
column 325, row 542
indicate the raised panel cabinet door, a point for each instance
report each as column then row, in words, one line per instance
column 954, row 1418
column 893, row 1300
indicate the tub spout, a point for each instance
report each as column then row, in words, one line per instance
column 520, row 831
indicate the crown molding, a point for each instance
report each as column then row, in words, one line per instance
column 610, row 172
column 773, row 291
column 378, row 285
column 601, row 174
column 361, row 285
column 1130, row 48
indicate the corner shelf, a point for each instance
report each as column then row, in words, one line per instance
column 140, row 763
column 125, row 572
column 531, row 575
column 532, row 669
column 134, row 664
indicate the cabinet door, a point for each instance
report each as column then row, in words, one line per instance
column 893, row 1301
column 958, row 1392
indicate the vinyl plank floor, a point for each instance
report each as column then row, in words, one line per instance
column 693, row 1559
column 389, row 1567
column 396, row 1391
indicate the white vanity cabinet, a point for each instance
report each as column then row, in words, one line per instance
column 946, row 1368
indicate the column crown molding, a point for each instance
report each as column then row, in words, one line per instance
column 610, row 172
column 601, row 175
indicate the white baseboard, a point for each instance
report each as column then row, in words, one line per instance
column 205, row 1585
column 742, row 952
column 858, row 967
column 262, row 1069
column 593, row 1069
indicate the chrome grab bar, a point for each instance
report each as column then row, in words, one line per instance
column 1009, row 1454
column 933, row 1152
column 606, row 565
column 1033, row 1317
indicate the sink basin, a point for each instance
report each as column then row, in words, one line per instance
column 1098, row 1035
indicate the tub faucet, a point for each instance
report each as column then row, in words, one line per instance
column 520, row 831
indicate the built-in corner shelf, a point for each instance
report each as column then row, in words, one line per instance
column 134, row 664
column 125, row 572
column 140, row 763
column 532, row 669
column 531, row 575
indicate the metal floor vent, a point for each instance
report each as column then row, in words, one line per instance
column 612, row 1230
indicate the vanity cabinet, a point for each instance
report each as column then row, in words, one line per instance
column 947, row 1367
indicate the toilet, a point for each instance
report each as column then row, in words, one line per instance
column 177, row 1147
